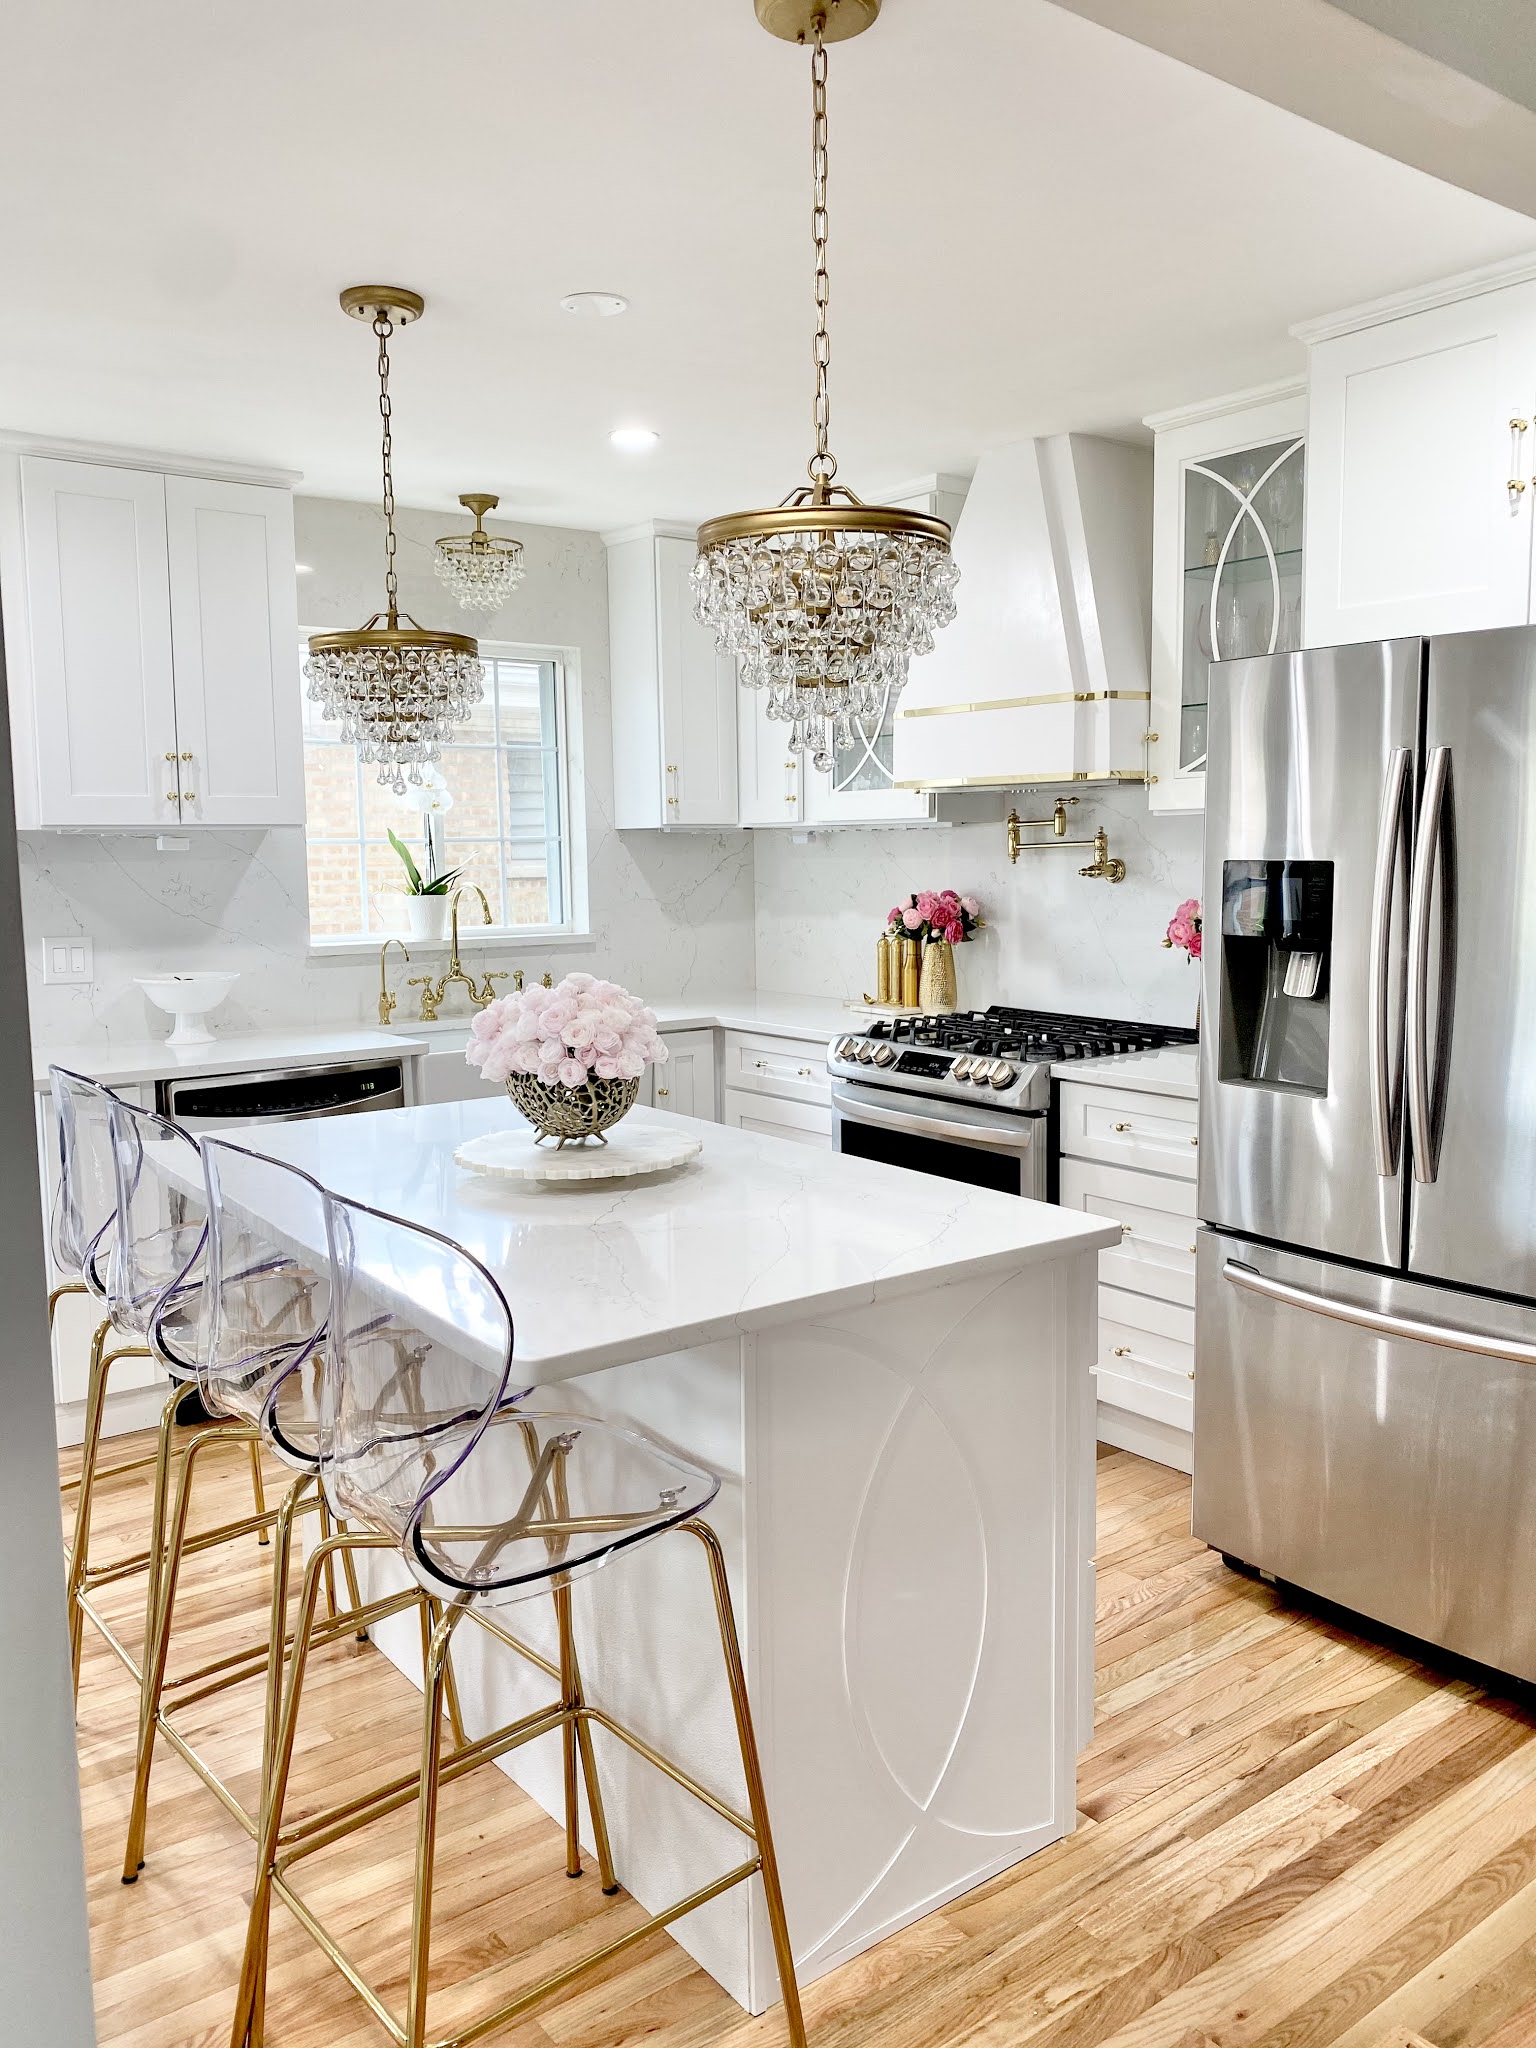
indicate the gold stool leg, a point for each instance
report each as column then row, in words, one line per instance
column 430, row 1612
column 282, row 1566
column 435, row 1677
column 157, row 1650
column 577, row 1737
column 258, row 1486
column 757, row 1799
column 349, row 1573
column 90, row 1449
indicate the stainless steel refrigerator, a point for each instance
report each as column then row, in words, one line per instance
column 1365, row 1392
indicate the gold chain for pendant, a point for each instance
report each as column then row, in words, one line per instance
column 823, row 465
column 383, row 327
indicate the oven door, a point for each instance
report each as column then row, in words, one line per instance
column 951, row 1139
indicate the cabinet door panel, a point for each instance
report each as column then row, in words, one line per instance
column 698, row 697
column 235, row 642
column 686, row 1084
column 1411, row 526
column 769, row 777
column 99, row 612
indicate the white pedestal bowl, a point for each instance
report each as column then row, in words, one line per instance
column 188, row 998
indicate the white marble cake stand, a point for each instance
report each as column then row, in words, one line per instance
column 514, row 1155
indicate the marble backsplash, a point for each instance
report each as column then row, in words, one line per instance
column 1053, row 940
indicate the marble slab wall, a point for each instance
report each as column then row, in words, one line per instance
column 668, row 913
column 1054, row 941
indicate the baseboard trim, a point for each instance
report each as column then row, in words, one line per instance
column 1159, row 1441
column 130, row 1409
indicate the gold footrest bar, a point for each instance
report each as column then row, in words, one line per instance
column 253, row 1662
column 113, row 1641
column 210, row 1777
column 665, row 1765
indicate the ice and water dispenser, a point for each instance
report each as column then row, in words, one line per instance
column 1276, row 934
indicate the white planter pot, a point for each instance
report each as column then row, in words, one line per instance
column 427, row 916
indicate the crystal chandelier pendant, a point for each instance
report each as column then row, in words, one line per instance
column 481, row 569
column 823, row 600
column 398, row 690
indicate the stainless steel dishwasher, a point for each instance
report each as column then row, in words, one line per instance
column 213, row 1102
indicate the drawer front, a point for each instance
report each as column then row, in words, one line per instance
column 1157, row 1133
column 794, row 1069
column 1160, row 1396
column 1165, row 1321
column 804, row 1123
column 1156, row 1254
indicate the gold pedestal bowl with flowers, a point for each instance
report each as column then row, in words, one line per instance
column 571, row 1057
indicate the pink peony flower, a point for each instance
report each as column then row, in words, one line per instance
column 573, row 1072
column 912, row 918
column 1184, row 928
column 893, row 916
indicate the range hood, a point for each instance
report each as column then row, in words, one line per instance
column 1043, row 677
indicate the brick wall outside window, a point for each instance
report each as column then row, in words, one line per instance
column 505, row 828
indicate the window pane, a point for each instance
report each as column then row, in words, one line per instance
column 526, row 789
column 518, row 686
column 481, row 722
column 479, row 862
column 470, row 773
column 386, row 887
column 335, row 890
column 330, row 792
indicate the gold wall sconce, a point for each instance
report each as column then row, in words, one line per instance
column 1102, row 868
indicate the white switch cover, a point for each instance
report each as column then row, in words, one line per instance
column 68, row 960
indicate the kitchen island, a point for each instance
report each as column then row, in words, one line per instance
column 891, row 1374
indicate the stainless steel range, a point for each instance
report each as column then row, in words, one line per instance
column 967, row 1097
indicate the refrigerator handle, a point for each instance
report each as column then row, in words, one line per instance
column 1426, row 860
column 1384, row 1325
column 1386, row 1076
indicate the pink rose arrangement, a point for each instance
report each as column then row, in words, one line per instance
column 1184, row 927
column 581, row 1028
column 935, row 914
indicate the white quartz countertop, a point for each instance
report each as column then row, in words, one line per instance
column 754, row 1231
column 1172, row 1070
column 148, row 1059
column 817, row 1017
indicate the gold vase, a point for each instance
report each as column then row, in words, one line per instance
column 909, row 974
column 885, row 969
column 937, row 993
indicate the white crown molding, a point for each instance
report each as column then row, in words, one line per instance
column 1467, row 284
column 16, row 443
column 1219, row 408
column 915, row 486
column 649, row 529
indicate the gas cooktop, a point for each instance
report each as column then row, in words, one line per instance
column 999, row 1055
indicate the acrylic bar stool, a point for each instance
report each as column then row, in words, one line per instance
column 85, row 1235
column 253, row 1326
column 419, row 1435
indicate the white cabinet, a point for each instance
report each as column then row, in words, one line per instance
column 770, row 780
column 686, row 1083
column 1128, row 1156
column 1422, row 453
column 779, row 1086
column 151, row 641
column 1228, row 496
column 674, row 696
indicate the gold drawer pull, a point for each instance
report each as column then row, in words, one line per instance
column 1193, row 1249
column 1120, row 1351
column 807, row 1073
column 1190, row 1374
column 1194, row 1141
column 1122, row 1127
column 663, row 1091
column 761, row 1066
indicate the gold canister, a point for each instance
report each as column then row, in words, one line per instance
column 884, row 970
column 909, row 963
column 939, row 994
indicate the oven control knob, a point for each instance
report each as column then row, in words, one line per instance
column 864, row 1052
column 961, row 1069
column 885, row 1055
column 842, row 1048
column 1002, row 1074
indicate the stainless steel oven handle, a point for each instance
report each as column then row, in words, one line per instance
column 1386, row 1095
column 1426, row 859
column 921, row 1125
column 1377, row 1319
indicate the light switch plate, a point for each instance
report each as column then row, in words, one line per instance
column 68, row 960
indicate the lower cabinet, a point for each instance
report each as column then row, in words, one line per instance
column 686, row 1083
column 778, row 1086
column 1146, row 1363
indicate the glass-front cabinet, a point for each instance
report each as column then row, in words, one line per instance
column 1229, row 497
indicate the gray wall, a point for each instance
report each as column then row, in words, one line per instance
column 45, row 1965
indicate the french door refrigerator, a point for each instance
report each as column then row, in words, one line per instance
column 1365, row 1397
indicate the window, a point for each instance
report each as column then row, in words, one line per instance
column 505, row 824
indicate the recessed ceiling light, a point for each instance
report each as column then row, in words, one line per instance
column 594, row 305
column 303, row 569
column 634, row 440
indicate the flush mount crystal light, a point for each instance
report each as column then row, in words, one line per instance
column 397, row 689
column 823, row 599
column 481, row 569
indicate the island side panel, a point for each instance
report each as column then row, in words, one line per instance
column 920, row 1578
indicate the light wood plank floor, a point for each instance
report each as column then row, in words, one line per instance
column 1289, row 1838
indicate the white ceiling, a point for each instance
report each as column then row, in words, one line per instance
column 1036, row 225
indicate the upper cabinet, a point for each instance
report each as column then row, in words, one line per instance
column 1422, row 457
column 151, row 640
column 1229, row 492
column 674, row 696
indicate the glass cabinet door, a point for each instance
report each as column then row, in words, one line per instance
column 1242, row 531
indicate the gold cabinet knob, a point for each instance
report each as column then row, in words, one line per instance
column 1120, row 1351
column 1516, row 484
column 172, row 797
column 1193, row 1249
column 170, row 757
column 186, row 757
column 663, row 1091
column 189, row 796
column 1190, row 1374
column 1194, row 1141
column 1122, row 1127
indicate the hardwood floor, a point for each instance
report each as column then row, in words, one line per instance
column 1290, row 1837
